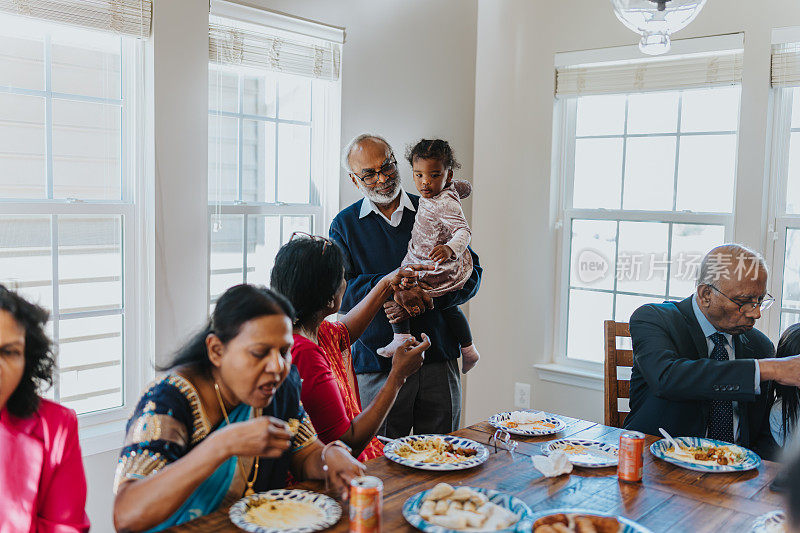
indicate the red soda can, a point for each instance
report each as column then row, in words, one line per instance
column 631, row 449
column 366, row 504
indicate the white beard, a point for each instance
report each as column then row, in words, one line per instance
column 377, row 198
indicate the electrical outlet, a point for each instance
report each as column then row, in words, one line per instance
column 522, row 395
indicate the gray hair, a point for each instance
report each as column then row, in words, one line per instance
column 719, row 262
column 356, row 140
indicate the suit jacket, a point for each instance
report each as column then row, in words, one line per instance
column 673, row 379
column 43, row 487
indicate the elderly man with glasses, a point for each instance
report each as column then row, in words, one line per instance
column 700, row 367
column 374, row 233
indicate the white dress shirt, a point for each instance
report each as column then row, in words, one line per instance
column 368, row 206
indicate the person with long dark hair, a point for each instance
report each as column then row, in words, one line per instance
column 310, row 270
column 42, row 483
column 225, row 421
column 784, row 413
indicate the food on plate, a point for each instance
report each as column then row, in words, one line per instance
column 576, row 523
column 527, row 420
column 464, row 509
column 284, row 514
column 434, row 450
column 580, row 453
column 728, row 454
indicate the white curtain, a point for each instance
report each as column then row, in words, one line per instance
column 232, row 45
column 671, row 73
column 125, row 17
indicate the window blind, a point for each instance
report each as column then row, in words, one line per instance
column 786, row 65
column 126, row 17
column 235, row 45
column 681, row 72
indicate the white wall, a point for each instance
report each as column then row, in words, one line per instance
column 408, row 72
column 514, row 217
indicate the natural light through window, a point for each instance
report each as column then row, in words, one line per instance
column 649, row 191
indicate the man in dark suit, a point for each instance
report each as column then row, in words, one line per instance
column 700, row 368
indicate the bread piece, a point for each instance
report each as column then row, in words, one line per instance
column 583, row 524
column 478, row 498
column 449, row 521
column 544, row 529
column 426, row 510
column 441, row 507
column 455, row 506
column 462, row 494
column 559, row 518
column 442, row 490
column 470, row 506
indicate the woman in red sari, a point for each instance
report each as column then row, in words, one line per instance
column 309, row 271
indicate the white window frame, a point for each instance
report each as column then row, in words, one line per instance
column 324, row 205
column 779, row 220
column 565, row 117
column 103, row 430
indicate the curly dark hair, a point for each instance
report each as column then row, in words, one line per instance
column 308, row 272
column 39, row 357
column 433, row 149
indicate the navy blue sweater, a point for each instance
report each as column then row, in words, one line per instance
column 373, row 249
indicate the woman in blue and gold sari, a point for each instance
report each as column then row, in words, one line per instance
column 225, row 421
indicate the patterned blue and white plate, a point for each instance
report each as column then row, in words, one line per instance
column 774, row 522
column 628, row 525
column 390, row 451
column 660, row 447
column 586, row 453
column 327, row 509
column 500, row 419
column 515, row 505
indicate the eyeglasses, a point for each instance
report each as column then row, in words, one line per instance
column 304, row 235
column 764, row 302
column 370, row 176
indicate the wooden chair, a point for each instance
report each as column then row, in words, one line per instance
column 615, row 357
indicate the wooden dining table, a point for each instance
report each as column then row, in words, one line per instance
column 668, row 498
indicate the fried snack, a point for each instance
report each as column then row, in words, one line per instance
column 442, row 490
column 448, row 507
column 294, row 425
column 575, row 523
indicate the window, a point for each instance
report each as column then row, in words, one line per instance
column 785, row 197
column 272, row 150
column 67, row 197
column 647, row 189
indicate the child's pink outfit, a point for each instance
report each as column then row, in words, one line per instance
column 440, row 220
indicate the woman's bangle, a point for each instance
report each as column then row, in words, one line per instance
column 325, row 448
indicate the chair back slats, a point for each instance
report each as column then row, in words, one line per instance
column 614, row 387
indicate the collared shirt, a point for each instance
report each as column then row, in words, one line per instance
column 368, row 206
column 708, row 330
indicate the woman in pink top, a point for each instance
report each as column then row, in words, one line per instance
column 42, row 484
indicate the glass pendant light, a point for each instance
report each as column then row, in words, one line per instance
column 655, row 20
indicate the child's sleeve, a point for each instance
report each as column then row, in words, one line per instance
column 452, row 216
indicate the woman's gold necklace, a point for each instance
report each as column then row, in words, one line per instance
column 249, row 482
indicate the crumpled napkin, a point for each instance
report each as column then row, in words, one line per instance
column 556, row 464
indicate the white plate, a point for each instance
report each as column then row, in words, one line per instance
column 330, row 510
column 515, row 505
column 598, row 454
column 660, row 447
column 527, row 429
column 390, row 451
column 774, row 522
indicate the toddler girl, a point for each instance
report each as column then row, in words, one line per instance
column 440, row 234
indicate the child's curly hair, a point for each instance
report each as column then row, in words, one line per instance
column 39, row 359
column 433, row 149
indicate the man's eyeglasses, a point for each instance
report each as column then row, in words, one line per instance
column 370, row 176
column 304, row 235
column 764, row 302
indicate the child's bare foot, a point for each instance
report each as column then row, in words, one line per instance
column 469, row 358
column 389, row 349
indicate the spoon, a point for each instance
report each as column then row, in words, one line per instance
column 669, row 438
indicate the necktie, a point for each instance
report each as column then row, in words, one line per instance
column 720, row 423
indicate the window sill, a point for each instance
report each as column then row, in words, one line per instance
column 567, row 375
column 102, row 438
